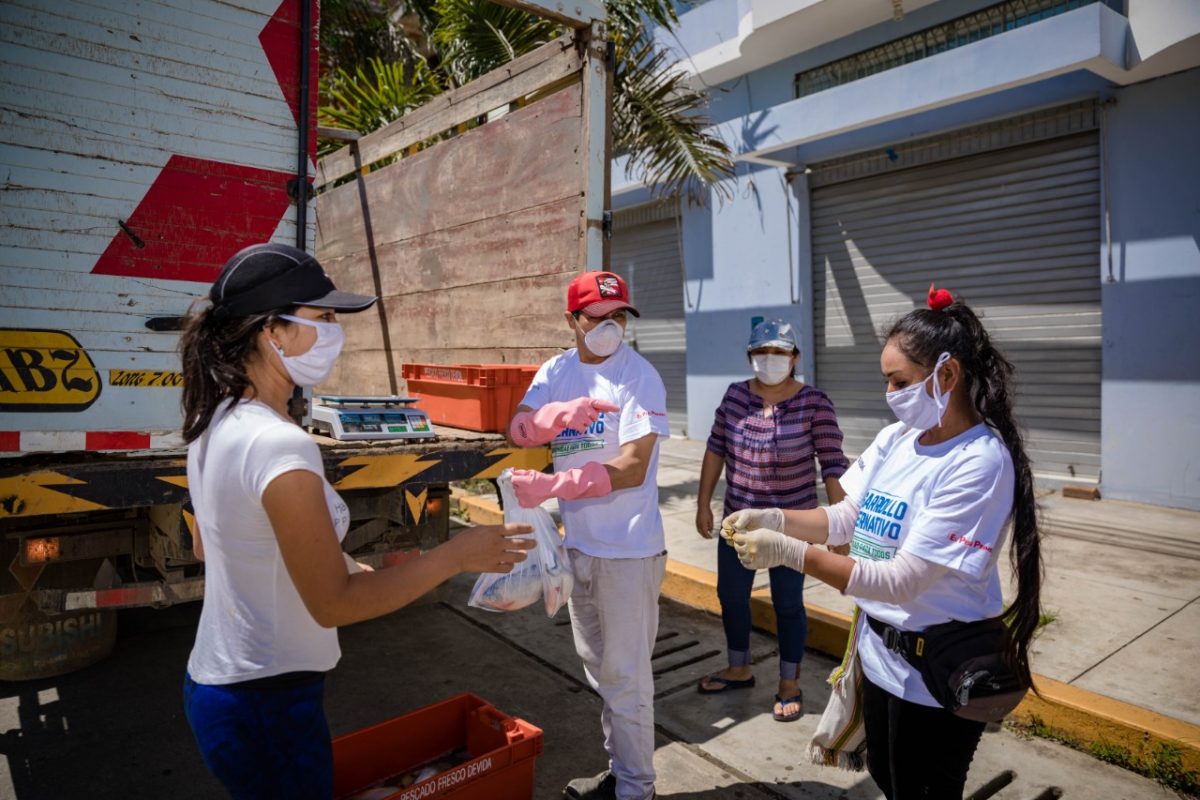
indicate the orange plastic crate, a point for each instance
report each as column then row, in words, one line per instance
column 478, row 397
column 501, row 751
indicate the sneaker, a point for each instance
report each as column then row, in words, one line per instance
column 597, row 787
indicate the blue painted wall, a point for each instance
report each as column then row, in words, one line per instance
column 742, row 260
column 1151, row 391
column 774, row 84
column 749, row 256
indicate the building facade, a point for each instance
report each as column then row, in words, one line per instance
column 1036, row 157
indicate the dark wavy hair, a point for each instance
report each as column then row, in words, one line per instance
column 214, row 350
column 923, row 335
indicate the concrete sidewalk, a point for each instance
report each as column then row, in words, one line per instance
column 1115, row 661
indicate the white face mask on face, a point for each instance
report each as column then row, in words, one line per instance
column 915, row 407
column 604, row 339
column 771, row 368
column 312, row 367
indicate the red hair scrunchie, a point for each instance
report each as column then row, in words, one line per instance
column 939, row 298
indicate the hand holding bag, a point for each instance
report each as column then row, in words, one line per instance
column 546, row 573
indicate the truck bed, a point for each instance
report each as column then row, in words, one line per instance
column 61, row 483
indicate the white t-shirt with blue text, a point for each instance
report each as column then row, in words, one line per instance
column 948, row 503
column 625, row 523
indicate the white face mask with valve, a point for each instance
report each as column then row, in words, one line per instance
column 313, row 367
column 604, row 339
column 915, row 407
column 771, row 368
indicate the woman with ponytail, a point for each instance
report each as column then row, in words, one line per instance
column 928, row 508
column 269, row 528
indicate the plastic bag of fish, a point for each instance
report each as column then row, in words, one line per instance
column 546, row 573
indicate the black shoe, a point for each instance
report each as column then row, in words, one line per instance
column 597, row 787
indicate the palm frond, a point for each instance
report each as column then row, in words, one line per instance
column 658, row 124
column 476, row 36
column 375, row 94
column 626, row 18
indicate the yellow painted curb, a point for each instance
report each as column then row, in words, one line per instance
column 480, row 511
column 1093, row 719
column 1075, row 714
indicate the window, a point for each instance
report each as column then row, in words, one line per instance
column 938, row 39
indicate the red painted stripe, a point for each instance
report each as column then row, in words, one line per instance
column 117, row 440
column 194, row 216
column 395, row 557
column 279, row 39
column 122, row 597
column 10, row 441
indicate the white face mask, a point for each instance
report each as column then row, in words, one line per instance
column 604, row 339
column 771, row 368
column 313, row 367
column 915, row 407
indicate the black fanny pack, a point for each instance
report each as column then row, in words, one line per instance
column 962, row 664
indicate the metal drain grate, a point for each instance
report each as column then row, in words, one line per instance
column 1003, row 780
column 993, row 786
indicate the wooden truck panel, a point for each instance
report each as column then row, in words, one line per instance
column 482, row 206
column 141, row 146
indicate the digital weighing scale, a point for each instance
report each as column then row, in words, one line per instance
column 370, row 418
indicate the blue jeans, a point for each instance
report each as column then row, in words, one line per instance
column 261, row 743
column 734, row 583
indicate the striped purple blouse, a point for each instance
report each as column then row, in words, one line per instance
column 769, row 460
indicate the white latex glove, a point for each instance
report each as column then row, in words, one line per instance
column 751, row 519
column 763, row 549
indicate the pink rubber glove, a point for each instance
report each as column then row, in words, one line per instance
column 533, row 428
column 534, row 488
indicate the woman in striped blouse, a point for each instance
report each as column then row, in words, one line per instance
column 768, row 433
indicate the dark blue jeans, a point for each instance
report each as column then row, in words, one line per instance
column 262, row 743
column 734, row 583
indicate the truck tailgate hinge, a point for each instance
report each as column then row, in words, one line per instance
column 606, row 224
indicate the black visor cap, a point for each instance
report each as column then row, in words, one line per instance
column 264, row 277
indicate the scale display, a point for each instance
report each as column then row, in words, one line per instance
column 369, row 418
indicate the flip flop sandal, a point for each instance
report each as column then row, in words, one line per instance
column 798, row 699
column 725, row 684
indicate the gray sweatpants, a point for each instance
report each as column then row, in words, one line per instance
column 614, row 615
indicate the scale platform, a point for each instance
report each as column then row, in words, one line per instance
column 370, row 418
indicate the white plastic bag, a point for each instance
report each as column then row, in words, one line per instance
column 546, row 573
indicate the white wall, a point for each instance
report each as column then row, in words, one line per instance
column 1151, row 392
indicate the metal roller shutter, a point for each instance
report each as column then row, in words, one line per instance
column 1016, row 233
column 645, row 252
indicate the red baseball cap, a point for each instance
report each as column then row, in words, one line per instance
column 598, row 293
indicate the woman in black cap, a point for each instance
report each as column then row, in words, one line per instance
column 269, row 528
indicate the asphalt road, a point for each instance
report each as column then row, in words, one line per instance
column 116, row 730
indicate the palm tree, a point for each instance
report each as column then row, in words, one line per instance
column 658, row 119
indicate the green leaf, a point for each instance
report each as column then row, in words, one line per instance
column 375, row 94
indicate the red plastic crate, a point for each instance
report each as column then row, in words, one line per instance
column 478, row 397
column 501, row 751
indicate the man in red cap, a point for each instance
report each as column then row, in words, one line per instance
column 602, row 408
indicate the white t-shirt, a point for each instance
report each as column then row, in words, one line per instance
column 948, row 503
column 626, row 523
column 253, row 623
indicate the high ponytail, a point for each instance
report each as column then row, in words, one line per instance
column 924, row 334
column 214, row 350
